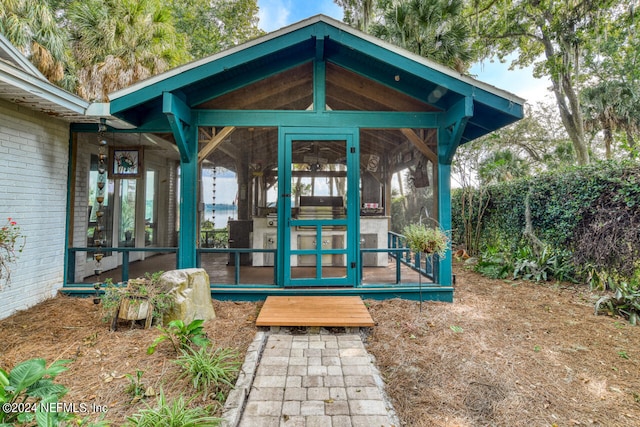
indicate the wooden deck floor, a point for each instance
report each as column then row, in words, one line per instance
column 323, row 311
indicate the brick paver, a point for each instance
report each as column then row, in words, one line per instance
column 316, row 380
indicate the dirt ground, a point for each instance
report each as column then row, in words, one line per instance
column 503, row 354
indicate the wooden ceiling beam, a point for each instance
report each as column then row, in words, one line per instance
column 214, row 142
column 420, row 144
column 373, row 90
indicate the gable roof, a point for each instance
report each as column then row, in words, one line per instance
column 319, row 37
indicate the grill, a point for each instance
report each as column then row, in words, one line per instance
column 318, row 207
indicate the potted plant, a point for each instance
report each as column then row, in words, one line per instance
column 138, row 299
column 428, row 240
column 425, row 239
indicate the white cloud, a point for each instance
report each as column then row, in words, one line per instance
column 273, row 14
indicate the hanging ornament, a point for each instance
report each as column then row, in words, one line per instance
column 100, row 240
column 213, row 211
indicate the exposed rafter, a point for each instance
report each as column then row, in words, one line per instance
column 420, row 144
column 214, row 142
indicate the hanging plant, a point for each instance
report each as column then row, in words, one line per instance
column 12, row 242
column 429, row 240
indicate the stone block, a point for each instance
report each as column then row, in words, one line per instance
column 192, row 291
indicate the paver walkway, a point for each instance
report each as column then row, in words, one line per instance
column 316, row 380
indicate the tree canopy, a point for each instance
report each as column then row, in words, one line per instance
column 566, row 41
column 32, row 28
column 93, row 47
column 590, row 49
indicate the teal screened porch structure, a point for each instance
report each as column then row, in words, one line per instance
column 301, row 135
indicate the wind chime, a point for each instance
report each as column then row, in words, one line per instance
column 99, row 236
column 213, row 211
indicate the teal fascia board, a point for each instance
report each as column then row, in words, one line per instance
column 406, row 65
column 207, row 69
column 411, row 292
column 248, row 77
column 320, row 42
column 319, row 31
column 498, row 103
column 399, row 61
column 363, row 119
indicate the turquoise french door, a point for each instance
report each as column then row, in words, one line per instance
column 318, row 206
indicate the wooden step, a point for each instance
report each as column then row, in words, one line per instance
column 315, row 311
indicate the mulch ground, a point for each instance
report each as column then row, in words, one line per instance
column 503, row 354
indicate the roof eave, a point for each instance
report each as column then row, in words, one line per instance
column 338, row 25
column 34, row 86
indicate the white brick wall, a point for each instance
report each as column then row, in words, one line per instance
column 33, row 191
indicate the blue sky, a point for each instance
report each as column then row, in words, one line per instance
column 275, row 14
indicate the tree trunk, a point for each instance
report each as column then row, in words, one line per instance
column 608, row 139
column 567, row 99
column 401, row 188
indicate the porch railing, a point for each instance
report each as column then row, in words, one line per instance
column 71, row 258
column 397, row 250
column 236, row 252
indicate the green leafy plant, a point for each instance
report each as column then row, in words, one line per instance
column 208, row 370
column 181, row 336
column 31, row 383
column 623, row 354
column 136, row 387
column 526, row 264
column 422, row 238
column 543, row 266
column 587, row 214
column 172, row 414
column 495, row 263
column 87, row 422
column 624, row 302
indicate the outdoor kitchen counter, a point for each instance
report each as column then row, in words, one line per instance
column 373, row 234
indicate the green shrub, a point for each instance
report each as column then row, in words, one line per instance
column 495, row 263
column 548, row 264
column 587, row 215
column 625, row 302
column 209, row 370
column 176, row 413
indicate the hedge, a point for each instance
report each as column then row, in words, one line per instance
column 573, row 209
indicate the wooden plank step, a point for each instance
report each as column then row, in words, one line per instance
column 327, row 311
